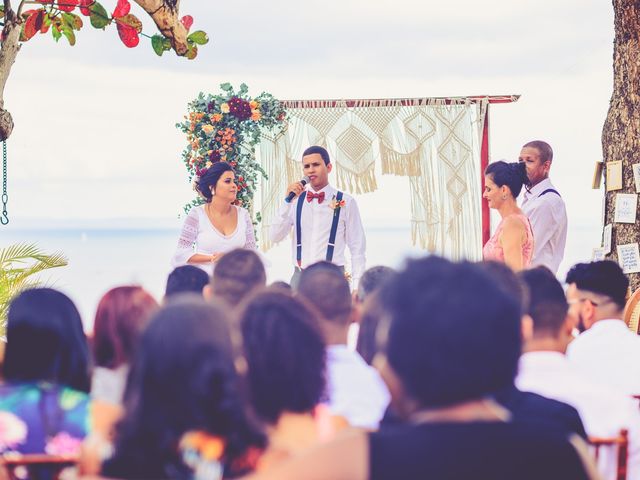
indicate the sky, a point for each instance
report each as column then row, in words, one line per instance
column 95, row 139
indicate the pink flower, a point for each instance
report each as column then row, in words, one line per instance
column 63, row 444
column 13, row 430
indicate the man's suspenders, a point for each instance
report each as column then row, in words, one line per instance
column 332, row 235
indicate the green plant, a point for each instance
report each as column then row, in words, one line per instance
column 18, row 265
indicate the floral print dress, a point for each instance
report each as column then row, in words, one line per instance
column 42, row 418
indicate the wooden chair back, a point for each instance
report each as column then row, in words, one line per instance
column 622, row 444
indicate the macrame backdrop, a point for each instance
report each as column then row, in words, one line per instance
column 434, row 142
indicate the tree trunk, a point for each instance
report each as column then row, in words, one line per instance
column 165, row 14
column 621, row 131
column 8, row 53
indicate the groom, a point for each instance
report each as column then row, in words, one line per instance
column 325, row 220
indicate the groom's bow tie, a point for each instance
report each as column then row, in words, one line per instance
column 319, row 196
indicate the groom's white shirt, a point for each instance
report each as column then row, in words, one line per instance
column 316, row 222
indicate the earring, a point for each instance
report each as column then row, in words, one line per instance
column 213, row 192
column 504, row 197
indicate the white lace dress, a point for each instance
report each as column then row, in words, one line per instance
column 200, row 236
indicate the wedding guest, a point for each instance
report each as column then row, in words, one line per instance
column 281, row 284
column 44, row 401
column 325, row 221
column 356, row 393
column 544, row 369
column 184, row 412
column 218, row 226
column 365, row 328
column 513, row 241
column 607, row 351
column 529, row 406
column 544, row 206
column 186, row 278
column 238, row 273
column 441, row 382
column 122, row 314
column 285, row 355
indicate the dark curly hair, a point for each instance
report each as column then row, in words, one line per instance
column 453, row 333
column 211, row 177
column 604, row 278
column 285, row 354
column 182, row 379
column 513, row 175
column 45, row 341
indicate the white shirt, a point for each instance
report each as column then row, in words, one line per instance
column 316, row 220
column 356, row 390
column 603, row 411
column 609, row 353
column 108, row 384
column 548, row 218
column 200, row 236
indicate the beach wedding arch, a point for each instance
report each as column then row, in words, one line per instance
column 227, row 127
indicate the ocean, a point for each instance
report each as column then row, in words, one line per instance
column 101, row 258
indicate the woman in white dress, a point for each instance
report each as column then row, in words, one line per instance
column 218, row 226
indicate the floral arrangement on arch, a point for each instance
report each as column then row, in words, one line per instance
column 226, row 127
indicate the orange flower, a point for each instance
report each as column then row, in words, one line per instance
column 216, row 117
column 208, row 129
column 255, row 115
column 253, row 104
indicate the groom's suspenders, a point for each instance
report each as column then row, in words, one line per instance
column 332, row 235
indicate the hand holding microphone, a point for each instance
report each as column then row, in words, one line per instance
column 296, row 189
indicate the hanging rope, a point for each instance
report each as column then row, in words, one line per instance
column 4, row 218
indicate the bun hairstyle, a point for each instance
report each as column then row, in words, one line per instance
column 210, row 179
column 513, row 175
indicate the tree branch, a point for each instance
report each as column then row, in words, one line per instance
column 165, row 15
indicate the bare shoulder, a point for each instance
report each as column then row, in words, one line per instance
column 513, row 223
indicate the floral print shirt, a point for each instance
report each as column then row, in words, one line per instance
column 42, row 418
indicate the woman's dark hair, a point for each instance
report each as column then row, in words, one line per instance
column 122, row 314
column 45, row 341
column 183, row 378
column 513, row 175
column 211, row 177
column 454, row 335
column 285, row 354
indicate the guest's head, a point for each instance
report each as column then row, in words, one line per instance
column 324, row 285
column 371, row 280
column 183, row 379
column 235, row 276
column 453, row 335
column 550, row 327
column 218, row 181
column 596, row 291
column 371, row 315
column 285, row 354
column 45, row 341
column 122, row 314
column 186, row 278
column 503, row 182
column 280, row 284
column 537, row 157
column 317, row 166
column 506, row 279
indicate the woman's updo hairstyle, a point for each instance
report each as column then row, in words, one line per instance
column 210, row 179
column 513, row 175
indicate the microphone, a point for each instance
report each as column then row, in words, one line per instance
column 304, row 181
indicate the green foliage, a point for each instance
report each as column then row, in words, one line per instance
column 60, row 17
column 18, row 264
column 227, row 127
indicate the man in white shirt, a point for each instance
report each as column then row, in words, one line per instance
column 318, row 213
column 545, row 370
column 607, row 351
column 544, row 206
column 356, row 393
